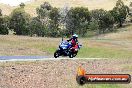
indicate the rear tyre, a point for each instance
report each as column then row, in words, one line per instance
column 75, row 54
column 56, row 54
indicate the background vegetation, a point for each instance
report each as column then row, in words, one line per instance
column 55, row 22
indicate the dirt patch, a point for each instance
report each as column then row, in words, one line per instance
column 57, row 73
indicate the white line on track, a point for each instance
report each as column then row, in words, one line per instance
column 42, row 59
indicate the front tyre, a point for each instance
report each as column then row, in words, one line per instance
column 56, row 54
column 71, row 55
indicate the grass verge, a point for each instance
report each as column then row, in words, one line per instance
column 100, row 52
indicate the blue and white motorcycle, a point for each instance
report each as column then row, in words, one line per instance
column 65, row 49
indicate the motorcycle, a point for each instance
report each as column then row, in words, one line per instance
column 66, row 49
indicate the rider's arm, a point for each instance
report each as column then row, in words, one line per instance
column 69, row 39
column 77, row 41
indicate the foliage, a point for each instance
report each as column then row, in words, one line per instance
column 62, row 23
column 49, row 18
column 77, row 20
column 19, row 21
column 103, row 19
column 22, row 5
column 43, row 19
column 54, row 22
column 4, row 20
column 130, row 4
column 93, row 25
column 120, row 12
column 46, row 5
column 43, row 10
column 0, row 12
column 36, row 27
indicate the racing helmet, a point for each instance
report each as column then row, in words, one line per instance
column 75, row 36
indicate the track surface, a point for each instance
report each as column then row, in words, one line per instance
column 22, row 58
column 34, row 58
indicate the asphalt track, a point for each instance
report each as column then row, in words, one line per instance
column 22, row 58
column 35, row 58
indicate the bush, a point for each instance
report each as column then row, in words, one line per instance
column 3, row 24
column 20, row 21
column 103, row 20
column 77, row 20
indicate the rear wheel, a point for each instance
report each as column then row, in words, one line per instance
column 56, row 54
column 75, row 53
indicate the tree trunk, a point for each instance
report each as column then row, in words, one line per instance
column 120, row 24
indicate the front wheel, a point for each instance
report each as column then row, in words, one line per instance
column 56, row 54
column 71, row 55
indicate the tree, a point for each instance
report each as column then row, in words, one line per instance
column 54, row 17
column 36, row 27
column 19, row 21
column 77, row 20
column 49, row 18
column 93, row 25
column 0, row 12
column 43, row 14
column 22, row 5
column 130, row 4
column 98, row 15
column 43, row 10
column 3, row 27
column 130, row 12
column 120, row 12
column 46, row 5
column 104, row 19
column 39, row 25
column 4, row 20
column 63, row 15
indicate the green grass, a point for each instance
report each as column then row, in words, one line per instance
column 48, row 49
column 91, row 52
column 90, row 49
column 100, row 86
column 127, row 67
column 100, row 52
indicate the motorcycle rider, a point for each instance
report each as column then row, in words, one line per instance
column 74, row 41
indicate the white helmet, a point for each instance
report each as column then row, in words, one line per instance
column 75, row 36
